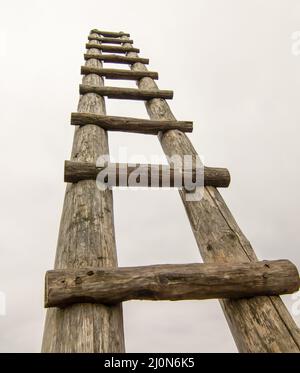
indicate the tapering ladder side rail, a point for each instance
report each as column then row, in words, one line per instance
column 147, row 175
column 172, row 282
column 259, row 324
column 86, row 238
column 129, row 124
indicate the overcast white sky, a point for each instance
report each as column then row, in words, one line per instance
column 231, row 65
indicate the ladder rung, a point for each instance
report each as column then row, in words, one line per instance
column 126, row 93
column 135, row 125
column 118, row 73
column 110, row 34
column 116, row 58
column 146, row 175
column 110, row 40
column 112, row 48
column 172, row 282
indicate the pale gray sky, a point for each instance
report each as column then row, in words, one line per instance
column 231, row 65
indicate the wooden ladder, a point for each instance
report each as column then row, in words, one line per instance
column 85, row 291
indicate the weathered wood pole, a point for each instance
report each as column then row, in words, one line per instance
column 108, row 34
column 259, row 324
column 172, row 282
column 86, row 238
column 149, row 175
column 112, row 48
column 122, row 93
column 118, row 74
column 116, row 58
column 126, row 124
column 104, row 40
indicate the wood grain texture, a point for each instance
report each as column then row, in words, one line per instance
column 126, row 93
column 109, row 40
column 147, row 175
column 115, row 58
column 86, row 238
column 259, row 324
column 109, row 34
column 171, row 282
column 120, row 74
column 112, row 48
column 126, row 124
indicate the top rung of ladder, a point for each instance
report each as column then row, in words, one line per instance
column 110, row 34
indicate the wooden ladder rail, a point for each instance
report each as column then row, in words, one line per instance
column 258, row 324
column 86, row 238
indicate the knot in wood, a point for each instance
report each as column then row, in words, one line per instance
column 78, row 281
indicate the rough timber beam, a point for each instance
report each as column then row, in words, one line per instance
column 109, row 40
column 115, row 58
column 171, row 282
column 119, row 74
column 109, row 34
column 150, row 175
column 122, row 93
column 128, row 124
column 112, row 48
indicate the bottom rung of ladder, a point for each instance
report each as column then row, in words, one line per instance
column 146, row 175
column 169, row 282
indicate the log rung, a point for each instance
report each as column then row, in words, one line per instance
column 110, row 40
column 118, row 73
column 133, row 125
column 170, row 282
column 146, row 175
column 126, row 93
column 112, row 48
column 114, row 58
column 110, row 34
